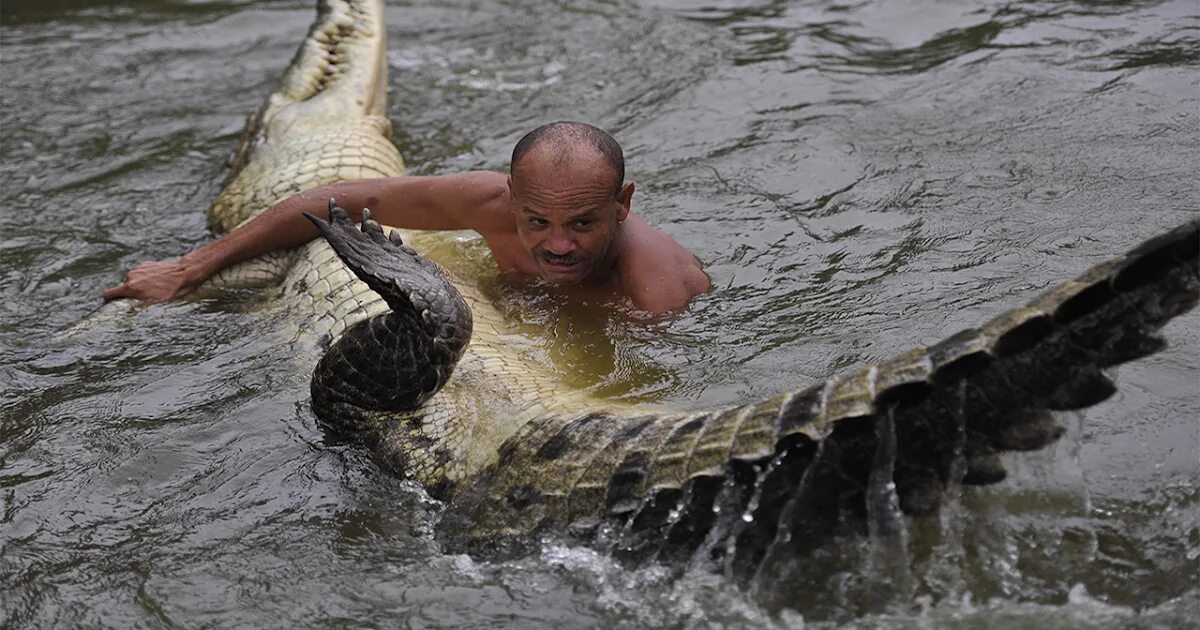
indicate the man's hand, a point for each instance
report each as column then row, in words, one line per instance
column 156, row 281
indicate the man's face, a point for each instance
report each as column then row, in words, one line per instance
column 567, row 215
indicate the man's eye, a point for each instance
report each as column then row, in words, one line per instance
column 583, row 224
column 536, row 221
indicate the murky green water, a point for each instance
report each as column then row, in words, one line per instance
column 858, row 178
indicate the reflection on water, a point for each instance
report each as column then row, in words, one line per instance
column 857, row 177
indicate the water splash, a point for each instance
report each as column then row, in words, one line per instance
column 726, row 510
column 890, row 578
column 747, row 515
column 776, row 552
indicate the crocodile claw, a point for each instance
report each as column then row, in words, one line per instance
column 372, row 228
column 369, row 226
column 337, row 216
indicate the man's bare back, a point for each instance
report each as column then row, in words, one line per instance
column 563, row 215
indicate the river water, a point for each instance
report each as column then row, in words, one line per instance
column 857, row 177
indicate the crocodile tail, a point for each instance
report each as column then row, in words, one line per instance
column 897, row 434
column 733, row 485
column 396, row 360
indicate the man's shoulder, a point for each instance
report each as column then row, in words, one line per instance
column 485, row 187
column 496, row 204
column 484, row 199
column 657, row 272
column 494, row 183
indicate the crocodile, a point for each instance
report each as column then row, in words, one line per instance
column 419, row 367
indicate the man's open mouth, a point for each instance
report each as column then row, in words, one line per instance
column 560, row 264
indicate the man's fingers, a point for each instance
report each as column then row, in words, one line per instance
column 119, row 291
column 151, row 266
column 152, row 280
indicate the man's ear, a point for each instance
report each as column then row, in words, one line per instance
column 512, row 196
column 625, row 197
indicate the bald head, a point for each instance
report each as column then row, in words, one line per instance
column 565, row 144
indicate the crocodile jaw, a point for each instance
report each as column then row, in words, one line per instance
column 339, row 72
column 324, row 124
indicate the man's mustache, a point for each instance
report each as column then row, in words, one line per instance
column 556, row 259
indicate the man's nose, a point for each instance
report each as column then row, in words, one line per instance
column 559, row 243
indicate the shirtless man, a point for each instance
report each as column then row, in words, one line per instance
column 562, row 215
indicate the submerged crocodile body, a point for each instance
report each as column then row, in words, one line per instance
column 514, row 452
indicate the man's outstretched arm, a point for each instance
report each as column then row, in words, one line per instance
column 476, row 200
